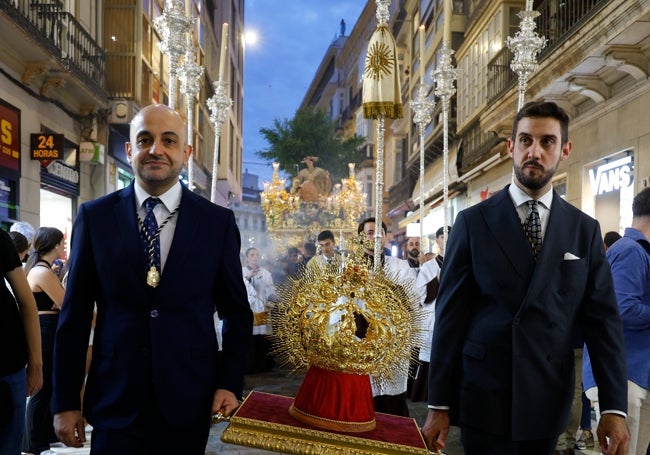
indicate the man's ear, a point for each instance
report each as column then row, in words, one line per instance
column 127, row 147
column 566, row 150
column 187, row 151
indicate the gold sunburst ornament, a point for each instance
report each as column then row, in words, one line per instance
column 379, row 61
column 344, row 326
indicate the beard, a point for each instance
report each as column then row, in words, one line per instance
column 537, row 181
column 414, row 253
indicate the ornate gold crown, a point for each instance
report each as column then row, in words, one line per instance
column 352, row 320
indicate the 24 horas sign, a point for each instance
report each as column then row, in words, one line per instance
column 46, row 146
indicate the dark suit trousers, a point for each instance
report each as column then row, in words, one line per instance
column 150, row 434
column 477, row 442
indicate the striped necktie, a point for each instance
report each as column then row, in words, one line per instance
column 151, row 225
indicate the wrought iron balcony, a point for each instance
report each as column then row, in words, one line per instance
column 476, row 145
column 61, row 38
column 558, row 21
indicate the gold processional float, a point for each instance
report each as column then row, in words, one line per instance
column 341, row 325
column 311, row 205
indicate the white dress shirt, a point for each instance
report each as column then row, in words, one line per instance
column 519, row 198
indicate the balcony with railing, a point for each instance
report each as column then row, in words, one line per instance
column 476, row 145
column 557, row 22
column 62, row 43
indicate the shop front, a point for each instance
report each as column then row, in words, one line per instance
column 9, row 164
column 59, row 190
column 610, row 190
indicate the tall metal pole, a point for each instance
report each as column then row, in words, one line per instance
column 445, row 75
column 422, row 113
column 190, row 75
column 379, row 193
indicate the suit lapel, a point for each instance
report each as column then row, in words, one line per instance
column 186, row 231
column 553, row 248
column 554, row 244
column 126, row 223
column 503, row 222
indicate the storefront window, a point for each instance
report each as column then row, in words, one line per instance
column 56, row 211
column 611, row 185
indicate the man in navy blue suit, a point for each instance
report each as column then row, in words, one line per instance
column 522, row 270
column 156, row 377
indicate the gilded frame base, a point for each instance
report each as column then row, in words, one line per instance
column 291, row 439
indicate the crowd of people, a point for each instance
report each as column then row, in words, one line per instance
column 525, row 293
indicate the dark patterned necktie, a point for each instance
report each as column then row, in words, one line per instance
column 151, row 226
column 533, row 227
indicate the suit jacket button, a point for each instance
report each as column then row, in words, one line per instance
column 515, row 321
column 154, row 313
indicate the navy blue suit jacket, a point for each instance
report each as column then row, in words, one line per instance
column 502, row 354
column 151, row 340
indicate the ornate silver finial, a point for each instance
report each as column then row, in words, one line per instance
column 172, row 26
column 219, row 105
column 445, row 74
column 525, row 45
column 382, row 13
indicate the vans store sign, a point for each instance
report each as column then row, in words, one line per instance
column 612, row 176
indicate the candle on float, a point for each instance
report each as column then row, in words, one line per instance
column 529, row 5
column 447, row 21
column 188, row 8
column 421, row 33
column 224, row 49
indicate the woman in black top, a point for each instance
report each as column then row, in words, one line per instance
column 49, row 244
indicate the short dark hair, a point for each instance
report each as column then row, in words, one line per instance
column 20, row 241
column 249, row 250
column 441, row 231
column 309, row 247
column 641, row 203
column 543, row 109
column 324, row 235
column 292, row 250
column 610, row 238
column 371, row 220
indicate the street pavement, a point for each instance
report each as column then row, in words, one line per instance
column 282, row 382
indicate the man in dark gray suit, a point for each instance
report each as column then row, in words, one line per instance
column 157, row 260
column 522, row 270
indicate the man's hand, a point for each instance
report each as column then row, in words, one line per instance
column 436, row 429
column 225, row 402
column 613, row 434
column 69, row 427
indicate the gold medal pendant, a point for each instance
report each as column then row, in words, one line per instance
column 153, row 277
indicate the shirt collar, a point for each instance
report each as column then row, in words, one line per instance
column 170, row 198
column 519, row 197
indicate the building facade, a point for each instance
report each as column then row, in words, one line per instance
column 72, row 75
column 250, row 216
column 595, row 65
